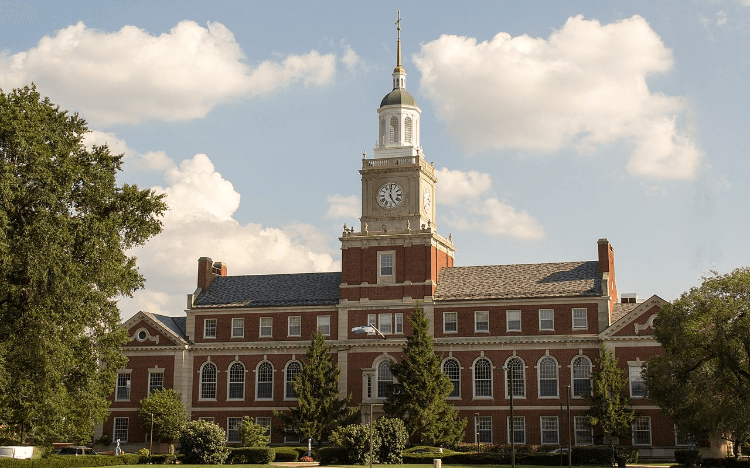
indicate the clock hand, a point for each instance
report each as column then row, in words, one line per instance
column 391, row 197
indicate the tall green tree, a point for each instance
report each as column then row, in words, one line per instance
column 421, row 388
column 610, row 411
column 65, row 225
column 169, row 415
column 319, row 409
column 702, row 381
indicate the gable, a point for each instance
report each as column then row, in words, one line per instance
column 637, row 322
column 147, row 329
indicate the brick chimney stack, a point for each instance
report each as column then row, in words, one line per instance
column 208, row 270
column 607, row 271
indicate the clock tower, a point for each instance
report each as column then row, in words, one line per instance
column 398, row 252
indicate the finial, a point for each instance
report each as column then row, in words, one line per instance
column 398, row 43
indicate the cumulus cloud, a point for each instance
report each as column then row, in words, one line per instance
column 130, row 75
column 200, row 223
column 341, row 207
column 585, row 87
column 149, row 161
column 466, row 198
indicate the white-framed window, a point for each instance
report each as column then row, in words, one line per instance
column 548, row 377
column 233, row 430
column 238, row 328
column 642, row 430
column 324, row 324
column 206, row 419
column 547, row 319
column 584, row 433
column 264, row 381
column 208, row 382
column 209, row 328
column 399, row 322
column 450, row 322
column 581, row 370
column 481, row 321
column 681, row 439
column 452, row 369
column 120, row 431
column 482, row 378
column 155, row 381
column 386, row 267
column 519, row 429
column 293, row 368
column 407, row 129
column 484, row 429
column 516, row 367
column 265, row 422
column 290, row 435
column 637, row 382
column 266, row 327
column 122, row 392
column 372, row 319
column 394, row 129
column 550, row 430
column 513, row 320
column 385, row 324
column 580, row 322
column 295, row 326
column 236, row 390
column 385, row 379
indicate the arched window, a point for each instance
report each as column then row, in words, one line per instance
column 208, row 382
column 236, row 381
column 292, row 369
column 264, row 377
column 547, row 377
column 382, row 132
column 385, row 379
column 394, row 129
column 407, row 130
column 516, row 367
column 581, row 376
column 482, row 378
column 452, row 369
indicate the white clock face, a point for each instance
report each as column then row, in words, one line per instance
column 390, row 195
column 427, row 200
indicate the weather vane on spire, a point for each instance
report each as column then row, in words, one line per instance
column 398, row 43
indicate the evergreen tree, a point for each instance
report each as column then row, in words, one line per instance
column 319, row 409
column 421, row 388
column 253, row 434
column 609, row 411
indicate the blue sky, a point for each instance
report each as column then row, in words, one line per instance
column 552, row 124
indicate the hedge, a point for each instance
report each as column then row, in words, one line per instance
column 62, row 461
column 250, row 455
column 287, row 454
column 688, row 457
column 333, row 456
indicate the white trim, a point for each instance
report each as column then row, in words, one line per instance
column 286, row 378
column 585, row 318
column 319, row 327
column 557, row 430
column 539, row 378
column 215, row 328
column 547, row 319
column 445, row 321
column 573, row 379
column 387, row 279
column 257, row 382
column 474, row 395
column 127, row 429
column 229, row 378
column 507, row 428
column 261, row 327
column 477, row 321
column 200, row 381
column 442, row 369
column 508, row 320
column 289, row 325
column 505, row 377
column 242, row 327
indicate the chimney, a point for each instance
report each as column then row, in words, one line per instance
column 220, row 269
column 205, row 273
column 607, row 270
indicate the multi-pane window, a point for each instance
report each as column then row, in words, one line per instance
column 233, row 429
column 236, row 389
column 450, row 322
column 642, row 430
column 581, row 376
column 123, row 387
column 324, row 324
column 120, row 432
column 292, row 369
column 209, row 328
column 295, row 326
column 208, row 382
column 513, row 318
column 681, row 438
column 264, row 380
column 384, row 324
column 407, row 129
column 583, row 430
column 484, row 429
column 385, row 379
column 580, row 321
column 386, row 267
column 238, row 328
column 372, row 319
column 266, row 327
column 452, row 369
column 515, row 370
column 519, row 430
column 482, row 378
column 550, row 430
column 394, row 129
column 637, row 382
column 481, row 321
column 548, row 377
column 547, row 319
column 155, row 381
column 265, row 422
column 399, row 319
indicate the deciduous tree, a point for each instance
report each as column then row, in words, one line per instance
column 252, row 434
column 169, row 415
column 702, row 381
column 610, row 407
column 65, row 227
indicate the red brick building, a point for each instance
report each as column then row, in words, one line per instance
column 243, row 337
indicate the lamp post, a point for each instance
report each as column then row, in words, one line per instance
column 509, row 370
column 476, row 430
column 371, row 408
column 570, row 448
column 151, row 439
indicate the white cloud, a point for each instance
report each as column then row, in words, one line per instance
column 351, row 60
column 130, row 75
column 342, row 207
column 150, row 161
column 585, row 86
column 721, row 18
column 455, row 186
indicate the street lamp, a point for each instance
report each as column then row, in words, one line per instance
column 369, row 329
column 151, row 439
column 509, row 370
column 476, row 430
column 371, row 405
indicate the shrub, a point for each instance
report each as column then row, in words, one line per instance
column 287, row 454
column 252, row 434
column 163, row 459
column 393, row 437
column 251, row 455
column 328, row 456
column 203, row 442
column 355, row 439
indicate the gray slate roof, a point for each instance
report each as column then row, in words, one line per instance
column 567, row 279
column 299, row 289
column 620, row 310
column 175, row 324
